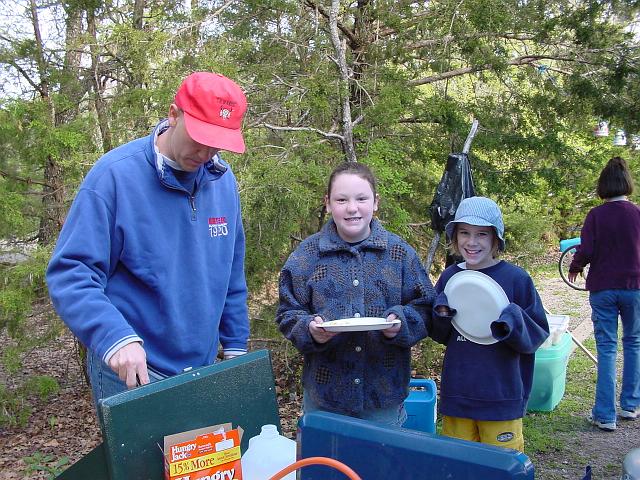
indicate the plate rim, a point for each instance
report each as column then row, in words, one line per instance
column 472, row 338
column 381, row 321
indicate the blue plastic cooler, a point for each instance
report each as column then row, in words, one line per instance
column 375, row 452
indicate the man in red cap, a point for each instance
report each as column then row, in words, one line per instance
column 148, row 271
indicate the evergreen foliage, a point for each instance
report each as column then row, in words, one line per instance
column 537, row 75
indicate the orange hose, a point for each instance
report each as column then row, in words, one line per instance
column 317, row 461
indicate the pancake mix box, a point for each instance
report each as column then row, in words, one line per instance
column 209, row 453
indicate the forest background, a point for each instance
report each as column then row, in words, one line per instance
column 394, row 84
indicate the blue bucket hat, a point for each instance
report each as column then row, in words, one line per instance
column 479, row 211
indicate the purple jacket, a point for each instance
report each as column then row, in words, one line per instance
column 610, row 243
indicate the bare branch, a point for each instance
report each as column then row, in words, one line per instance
column 27, row 181
column 416, row 18
column 24, row 74
column 450, row 74
column 448, row 38
column 197, row 25
column 303, row 129
column 524, row 60
column 353, row 41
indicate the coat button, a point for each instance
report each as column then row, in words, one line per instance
column 357, row 381
column 356, row 315
column 356, row 282
column 358, row 348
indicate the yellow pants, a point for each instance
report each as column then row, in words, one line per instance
column 505, row 433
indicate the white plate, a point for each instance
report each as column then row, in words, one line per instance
column 479, row 300
column 359, row 324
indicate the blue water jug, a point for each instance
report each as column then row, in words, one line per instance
column 421, row 405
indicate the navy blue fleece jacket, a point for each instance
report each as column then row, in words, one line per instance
column 492, row 382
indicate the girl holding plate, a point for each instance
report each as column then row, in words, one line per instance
column 353, row 299
column 490, row 316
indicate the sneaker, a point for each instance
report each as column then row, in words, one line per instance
column 630, row 414
column 607, row 427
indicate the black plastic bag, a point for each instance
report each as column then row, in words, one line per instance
column 455, row 185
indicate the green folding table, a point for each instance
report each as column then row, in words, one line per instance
column 134, row 423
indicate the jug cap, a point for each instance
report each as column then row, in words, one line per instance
column 269, row 430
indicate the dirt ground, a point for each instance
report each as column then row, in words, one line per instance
column 603, row 451
column 65, row 426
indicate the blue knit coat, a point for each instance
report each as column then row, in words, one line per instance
column 325, row 276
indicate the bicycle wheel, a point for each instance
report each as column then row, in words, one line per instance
column 563, row 267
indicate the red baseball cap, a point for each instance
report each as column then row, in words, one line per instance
column 213, row 109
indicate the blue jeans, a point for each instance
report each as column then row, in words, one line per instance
column 104, row 381
column 394, row 416
column 606, row 305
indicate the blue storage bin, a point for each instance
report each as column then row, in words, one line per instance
column 376, row 452
column 421, row 405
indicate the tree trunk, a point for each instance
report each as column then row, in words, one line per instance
column 339, row 46
column 53, row 202
column 138, row 14
column 98, row 100
column 53, row 194
column 53, row 191
column 141, row 122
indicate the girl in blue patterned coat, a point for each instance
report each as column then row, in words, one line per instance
column 354, row 267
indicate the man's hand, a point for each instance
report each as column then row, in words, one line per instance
column 318, row 333
column 130, row 363
column 393, row 330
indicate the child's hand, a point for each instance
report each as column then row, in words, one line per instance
column 393, row 330
column 441, row 306
column 318, row 333
column 444, row 311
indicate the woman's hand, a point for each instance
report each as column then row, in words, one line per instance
column 318, row 333
column 393, row 330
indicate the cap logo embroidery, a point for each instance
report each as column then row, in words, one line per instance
column 225, row 113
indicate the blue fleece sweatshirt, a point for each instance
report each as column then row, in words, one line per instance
column 140, row 257
column 492, row 382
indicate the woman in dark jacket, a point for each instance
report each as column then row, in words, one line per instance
column 610, row 243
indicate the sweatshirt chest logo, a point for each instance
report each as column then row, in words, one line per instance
column 218, row 227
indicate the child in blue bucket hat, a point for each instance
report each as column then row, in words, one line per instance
column 486, row 382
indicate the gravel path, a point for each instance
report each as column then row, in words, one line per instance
column 603, row 451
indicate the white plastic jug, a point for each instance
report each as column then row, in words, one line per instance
column 268, row 453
